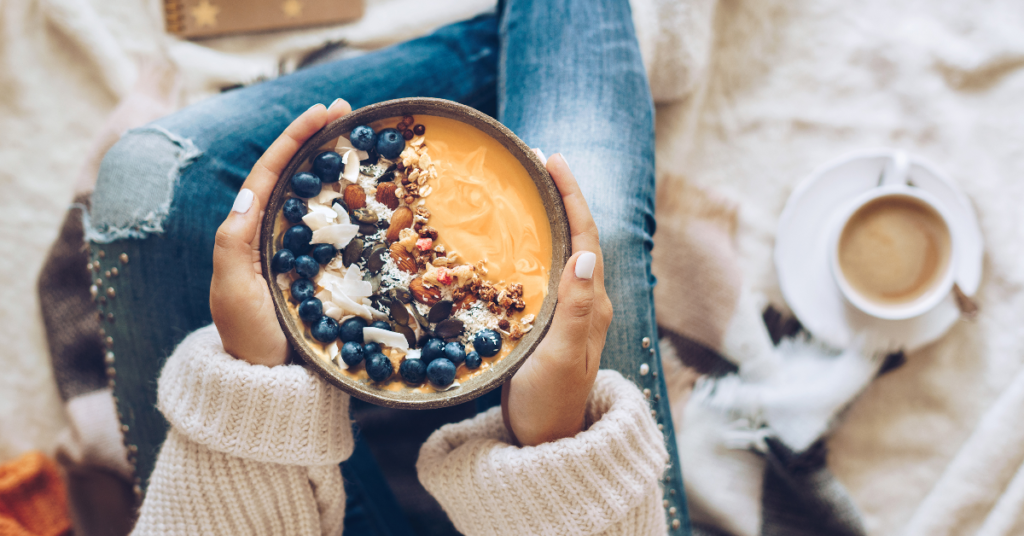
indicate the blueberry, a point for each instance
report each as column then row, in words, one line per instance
column 297, row 239
column 379, row 367
column 380, row 324
column 283, row 261
column 352, row 353
column 455, row 352
column 352, row 330
column 487, row 342
column 371, row 348
column 325, row 330
column 441, row 372
column 306, row 267
column 328, row 166
column 390, row 143
column 363, row 138
column 413, row 371
column 306, row 184
column 473, row 360
column 302, row 290
column 432, row 350
column 311, row 310
column 324, row 253
column 294, row 209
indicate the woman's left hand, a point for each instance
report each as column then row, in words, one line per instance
column 240, row 301
column 547, row 398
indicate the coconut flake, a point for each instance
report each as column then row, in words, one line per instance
column 319, row 217
column 338, row 235
column 284, row 282
column 325, row 198
column 342, row 214
column 386, row 337
column 351, row 166
column 349, row 306
column 413, row 354
column 344, row 145
column 333, row 311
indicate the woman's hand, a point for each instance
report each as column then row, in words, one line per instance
column 239, row 297
column 546, row 399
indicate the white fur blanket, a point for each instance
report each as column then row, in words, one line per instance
column 932, row 448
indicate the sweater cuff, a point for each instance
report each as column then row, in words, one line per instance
column 284, row 414
column 578, row 485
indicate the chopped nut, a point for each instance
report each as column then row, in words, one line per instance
column 409, row 199
column 464, row 273
column 428, row 232
column 408, row 237
column 458, row 293
column 486, row 291
column 422, row 211
column 515, row 332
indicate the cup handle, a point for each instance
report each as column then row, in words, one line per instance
column 895, row 171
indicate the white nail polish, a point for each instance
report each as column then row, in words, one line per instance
column 540, row 154
column 243, row 201
column 585, row 264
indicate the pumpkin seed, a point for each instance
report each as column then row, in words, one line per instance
column 399, row 312
column 453, row 327
column 409, row 334
column 353, row 251
column 377, row 258
column 440, row 311
column 365, row 215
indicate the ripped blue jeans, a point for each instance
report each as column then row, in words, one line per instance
column 566, row 76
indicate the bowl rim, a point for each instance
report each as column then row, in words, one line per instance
column 561, row 250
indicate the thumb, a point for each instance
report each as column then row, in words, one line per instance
column 232, row 249
column 570, row 326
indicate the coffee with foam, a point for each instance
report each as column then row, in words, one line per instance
column 894, row 249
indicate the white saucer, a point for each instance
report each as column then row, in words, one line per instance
column 802, row 257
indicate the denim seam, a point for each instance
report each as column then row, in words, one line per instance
column 152, row 222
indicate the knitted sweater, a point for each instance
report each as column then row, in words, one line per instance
column 255, row 450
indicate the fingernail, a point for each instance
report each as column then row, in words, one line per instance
column 585, row 264
column 244, row 201
column 566, row 161
column 314, row 106
column 333, row 104
column 540, row 154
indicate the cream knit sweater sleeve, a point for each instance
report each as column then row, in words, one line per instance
column 602, row 481
column 251, row 449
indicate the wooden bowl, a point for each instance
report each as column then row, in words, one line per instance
column 500, row 371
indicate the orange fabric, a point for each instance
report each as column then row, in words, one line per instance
column 33, row 501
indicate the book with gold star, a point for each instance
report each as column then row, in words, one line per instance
column 207, row 18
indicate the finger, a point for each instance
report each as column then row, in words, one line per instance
column 337, row 109
column 232, row 249
column 582, row 228
column 267, row 170
column 567, row 340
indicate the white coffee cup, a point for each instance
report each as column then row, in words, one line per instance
column 893, row 184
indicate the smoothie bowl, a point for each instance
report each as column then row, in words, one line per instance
column 413, row 250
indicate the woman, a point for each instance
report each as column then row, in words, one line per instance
column 567, row 78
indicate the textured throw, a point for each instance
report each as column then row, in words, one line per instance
column 750, row 414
